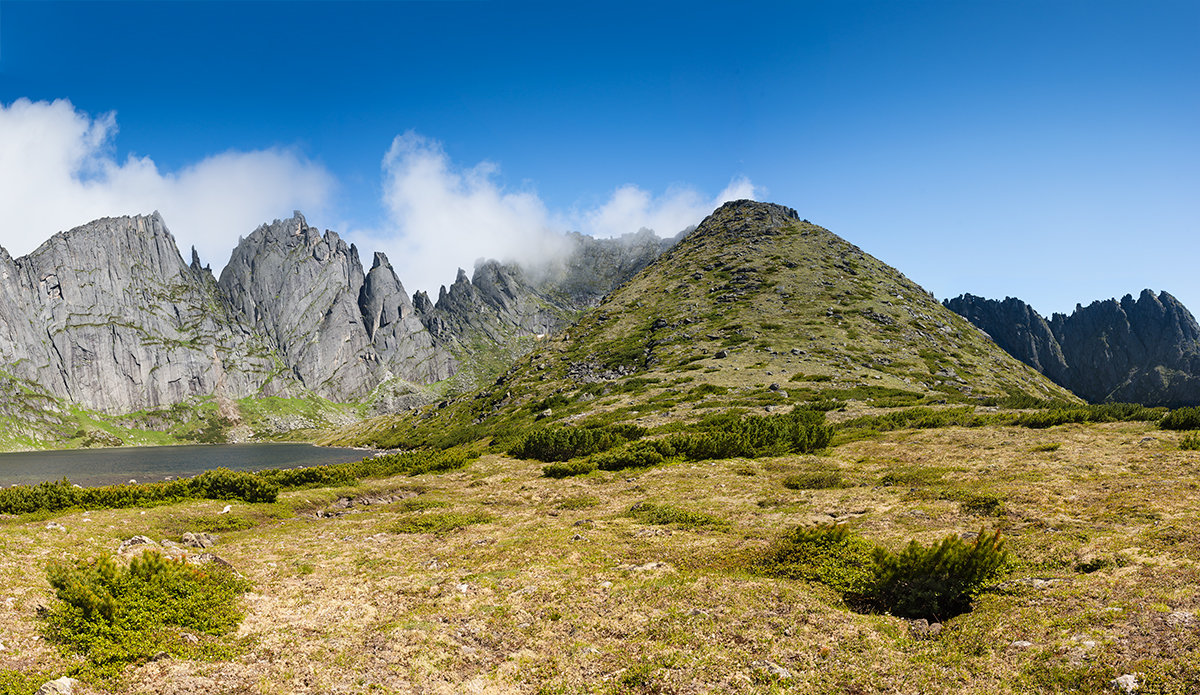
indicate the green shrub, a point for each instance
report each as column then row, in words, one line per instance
column 439, row 522
column 982, row 504
column 729, row 435
column 643, row 454
column 915, row 418
column 665, row 515
column 1190, row 441
column 828, row 554
column 1181, row 419
column 938, row 581
column 565, row 443
column 564, row 469
column 114, row 616
column 813, row 480
column 935, row 582
column 224, row 484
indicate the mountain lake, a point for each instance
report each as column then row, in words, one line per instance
column 150, row 464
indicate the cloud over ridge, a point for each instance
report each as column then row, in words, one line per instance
column 443, row 216
column 58, row 171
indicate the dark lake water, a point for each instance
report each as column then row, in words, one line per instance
column 149, row 464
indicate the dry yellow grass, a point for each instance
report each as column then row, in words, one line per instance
column 561, row 592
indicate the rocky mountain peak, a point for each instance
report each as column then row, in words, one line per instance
column 1144, row 350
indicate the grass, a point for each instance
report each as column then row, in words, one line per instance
column 520, row 602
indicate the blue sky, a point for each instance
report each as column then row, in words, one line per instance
column 1047, row 150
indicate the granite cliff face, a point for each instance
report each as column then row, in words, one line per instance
column 1142, row 351
column 110, row 317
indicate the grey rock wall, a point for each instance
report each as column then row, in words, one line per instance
column 1144, row 350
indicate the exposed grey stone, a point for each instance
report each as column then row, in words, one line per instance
column 199, row 540
column 1142, row 351
column 135, row 546
column 772, row 668
column 1127, row 683
column 61, row 686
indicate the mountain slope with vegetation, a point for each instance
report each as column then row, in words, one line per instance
column 754, row 309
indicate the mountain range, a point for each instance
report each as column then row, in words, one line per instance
column 1144, row 350
column 108, row 321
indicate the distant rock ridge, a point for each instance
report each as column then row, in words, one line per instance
column 1142, row 351
column 110, row 317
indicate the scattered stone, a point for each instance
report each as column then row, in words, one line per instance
column 697, row 613
column 1021, row 644
column 62, row 686
column 190, row 638
column 199, row 540
column 135, row 546
column 1180, row 619
column 606, row 585
column 1127, row 683
column 578, row 537
column 585, row 523
column 773, row 387
column 132, row 481
column 772, row 668
column 721, row 354
column 923, row 629
column 656, row 566
column 1038, row 583
column 655, row 531
column 210, row 559
column 55, row 526
column 548, row 412
column 436, row 564
column 226, row 509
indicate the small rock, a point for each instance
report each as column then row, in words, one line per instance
column 772, row 668
column 62, row 686
column 1021, row 644
column 656, row 566
column 578, row 537
column 55, row 526
column 226, row 509
column 1180, row 619
column 132, row 481
column 190, row 638
column 774, row 387
column 923, row 629
column 135, row 546
column 721, row 354
column 606, row 585
column 697, row 613
column 1127, row 683
column 198, row 540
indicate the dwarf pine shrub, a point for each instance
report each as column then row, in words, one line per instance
column 565, row 469
column 1181, row 419
column 114, row 616
column 934, row 582
column 565, row 443
column 937, row 581
column 1190, row 441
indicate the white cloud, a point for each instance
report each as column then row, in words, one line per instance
column 57, row 171
column 444, row 217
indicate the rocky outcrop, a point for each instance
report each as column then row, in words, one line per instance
column 1142, row 351
column 109, row 316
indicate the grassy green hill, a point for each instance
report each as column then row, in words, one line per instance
column 755, row 309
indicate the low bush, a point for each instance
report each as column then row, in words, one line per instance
column 666, row 515
column 828, row 554
column 114, row 616
column 643, row 454
column 439, row 522
column 224, row 484
column 1190, row 441
column 564, row 469
column 813, row 480
column 937, row 581
column 564, row 443
column 1181, row 419
column 729, row 435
